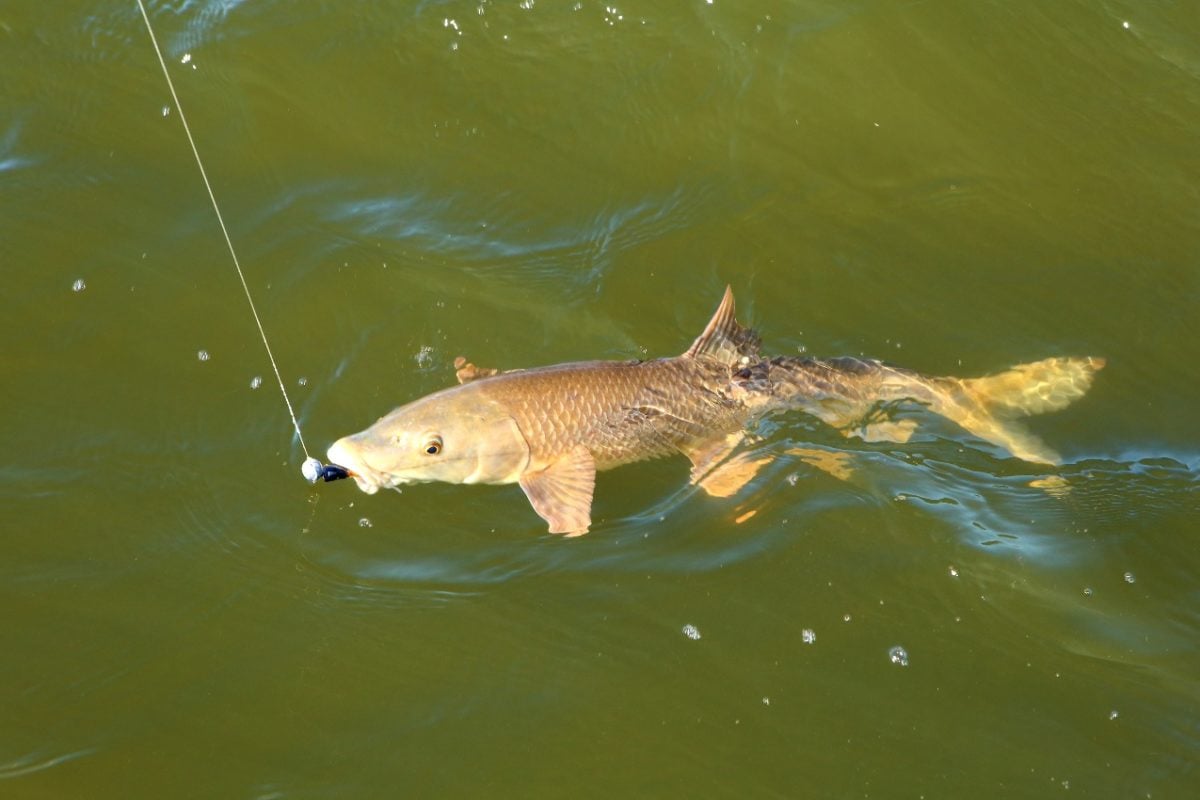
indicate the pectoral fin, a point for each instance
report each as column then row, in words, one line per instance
column 561, row 493
column 718, row 470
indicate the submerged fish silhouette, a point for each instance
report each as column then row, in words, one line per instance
column 550, row 429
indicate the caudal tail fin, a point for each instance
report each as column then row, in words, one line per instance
column 988, row 407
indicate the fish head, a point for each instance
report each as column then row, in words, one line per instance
column 456, row 436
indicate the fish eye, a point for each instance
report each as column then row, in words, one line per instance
column 433, row 446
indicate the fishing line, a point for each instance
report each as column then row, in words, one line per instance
column 312, row 469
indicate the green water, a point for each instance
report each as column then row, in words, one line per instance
column 955, row 187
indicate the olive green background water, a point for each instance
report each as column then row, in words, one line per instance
column 955, row 187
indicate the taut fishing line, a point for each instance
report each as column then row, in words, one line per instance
column 312, row 469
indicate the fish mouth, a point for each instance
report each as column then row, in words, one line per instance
column 365, row 484
column 342, row 454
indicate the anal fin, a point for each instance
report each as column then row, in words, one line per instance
column 561, row 493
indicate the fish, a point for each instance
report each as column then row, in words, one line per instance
column 551, row 429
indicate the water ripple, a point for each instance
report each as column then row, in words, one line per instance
column 10, row 160
column 995, row 511
column 38, row 762
column 496, row 236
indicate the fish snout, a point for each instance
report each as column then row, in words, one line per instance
column 345, row 454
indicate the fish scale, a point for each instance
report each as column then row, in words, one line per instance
column 622, row 411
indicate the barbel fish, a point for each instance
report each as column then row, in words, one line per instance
column 550, row 429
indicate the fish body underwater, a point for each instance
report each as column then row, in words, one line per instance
column 550, row 429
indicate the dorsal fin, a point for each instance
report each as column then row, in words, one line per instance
column 723, row 338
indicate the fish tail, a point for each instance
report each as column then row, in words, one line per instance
column 988, row 407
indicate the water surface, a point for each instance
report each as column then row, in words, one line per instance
column 953, row 188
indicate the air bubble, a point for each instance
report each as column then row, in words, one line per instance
column 691, row 631
column 1129, row 577
column 302, row 381
column 899, row 656
column 364, row 523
